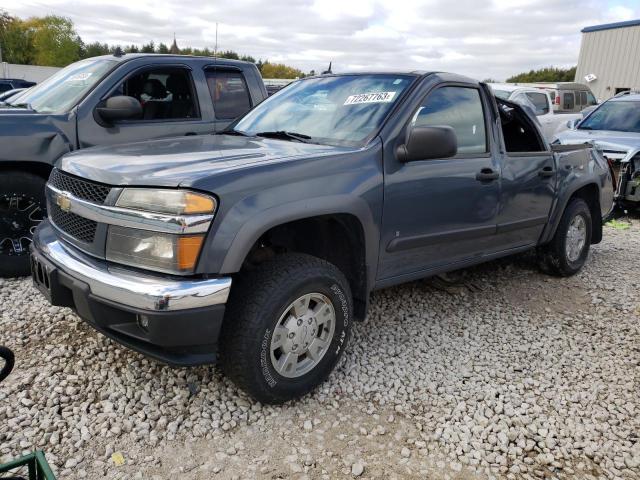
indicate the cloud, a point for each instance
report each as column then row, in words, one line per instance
column 496, row 38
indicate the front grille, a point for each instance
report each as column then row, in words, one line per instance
column 78, row 227
column 85, row 189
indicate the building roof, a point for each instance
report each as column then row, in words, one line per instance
column 611, row 26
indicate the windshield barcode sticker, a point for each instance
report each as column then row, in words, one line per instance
column 378, row 97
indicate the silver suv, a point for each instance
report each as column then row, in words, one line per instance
column 614, row 127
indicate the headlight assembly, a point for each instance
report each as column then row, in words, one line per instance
column 175, row 202
column 162, row 252
column 143, row 247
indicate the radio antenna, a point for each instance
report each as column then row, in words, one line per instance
column 215, row 49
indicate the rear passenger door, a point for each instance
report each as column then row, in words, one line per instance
column 170, row 107
column 229, row 94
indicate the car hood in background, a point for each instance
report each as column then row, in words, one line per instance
column 603, row 138
column 182, row 161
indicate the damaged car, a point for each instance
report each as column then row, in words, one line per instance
column 614, row 128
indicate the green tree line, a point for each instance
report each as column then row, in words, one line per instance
column 52, row 41
column 548, row 74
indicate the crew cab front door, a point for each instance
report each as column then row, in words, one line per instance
column 440, row 212
column 169, row 102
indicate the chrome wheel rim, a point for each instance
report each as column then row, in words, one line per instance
column 576, row 238
column 303, row 335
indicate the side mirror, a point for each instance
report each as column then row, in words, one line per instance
column 572, row 124
column 119, row 108
column 426, row 143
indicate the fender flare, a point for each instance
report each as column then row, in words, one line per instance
column 561, row 205
column 260, row 223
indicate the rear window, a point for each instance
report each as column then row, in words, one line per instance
column 568, row 101
column 229, row 93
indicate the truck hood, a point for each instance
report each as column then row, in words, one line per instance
column 182, row 161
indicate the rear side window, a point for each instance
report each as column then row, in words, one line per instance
column 539, row 101
column 229, row 93
column 459, row 108
column 583, row 98
column 568, row 102
column 5, row 87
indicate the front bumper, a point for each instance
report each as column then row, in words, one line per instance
column 175, row 320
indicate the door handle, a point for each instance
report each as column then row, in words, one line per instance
column 487, row 175
column 190, row 134
column 547, row 172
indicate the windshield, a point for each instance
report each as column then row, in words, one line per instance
column 620, row 116
column 336, row 110
column 62, row 91
column 502, row 94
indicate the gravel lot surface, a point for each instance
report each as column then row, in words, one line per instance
column 506, row 374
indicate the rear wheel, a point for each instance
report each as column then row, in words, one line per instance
column 567, row 252
column 22, row 208
column 286, row 327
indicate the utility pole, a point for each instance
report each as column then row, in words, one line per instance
column 215, row 49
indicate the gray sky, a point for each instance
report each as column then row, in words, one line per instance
column 496, row 38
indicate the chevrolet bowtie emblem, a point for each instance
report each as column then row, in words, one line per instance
column 63, row 200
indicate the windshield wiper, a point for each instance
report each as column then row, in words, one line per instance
column 232, row 132
column 283, row 135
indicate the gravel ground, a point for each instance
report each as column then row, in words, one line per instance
column 505, row 374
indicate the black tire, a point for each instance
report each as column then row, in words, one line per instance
column 9, row 360
column 552, row 257
column 258, row 299
column 22, row 207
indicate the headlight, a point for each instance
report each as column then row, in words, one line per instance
column 162, row 252
column 174, row 202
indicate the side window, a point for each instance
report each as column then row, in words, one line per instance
column 539, row 101
column 229, row 93
column 591, row 100
column 5, row 87
column 583, row 99
column 164, row 93
column 568, row 101
column 459, row 108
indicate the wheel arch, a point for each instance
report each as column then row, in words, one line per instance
column 339, row 229
column 39, row 169
column 590, row 193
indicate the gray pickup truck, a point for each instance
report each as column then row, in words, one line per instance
column 104, row 101
column 259, row 247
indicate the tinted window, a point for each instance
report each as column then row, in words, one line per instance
column 164, row 93
column 229, row 93
column 539, row 101
column 459, row 108
column 5, row 87
column 568, row 101
column 591, row 100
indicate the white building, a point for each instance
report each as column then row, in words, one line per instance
column 609, row 59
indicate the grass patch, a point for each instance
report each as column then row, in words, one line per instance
column 618, row 225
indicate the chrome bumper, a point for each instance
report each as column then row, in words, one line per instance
column 126, row 287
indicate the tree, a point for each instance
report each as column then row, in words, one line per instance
column 95, row 49
column 15, row 40
column 55, row 40
column 278, row 70
column 162, row 48
column 548, row 74
column 148, row 48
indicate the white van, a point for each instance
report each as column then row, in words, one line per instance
column 566, row 96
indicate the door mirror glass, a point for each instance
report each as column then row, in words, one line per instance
column 425, row 143
column 572, row 124
column 120, row 108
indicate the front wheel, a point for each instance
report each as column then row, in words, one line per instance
column 22, row 208
column 567, row 252
column 286, row 326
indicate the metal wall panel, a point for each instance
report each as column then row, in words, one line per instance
column 614, row 57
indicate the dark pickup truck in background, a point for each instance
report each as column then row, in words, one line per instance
column 103, row 101
column 259, row 247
